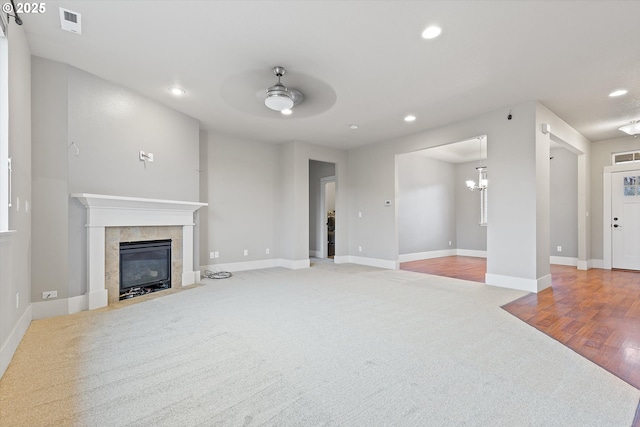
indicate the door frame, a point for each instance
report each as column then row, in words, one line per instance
column 607, row 250
column 323, row 214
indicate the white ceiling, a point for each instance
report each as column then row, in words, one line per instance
column 360, row 62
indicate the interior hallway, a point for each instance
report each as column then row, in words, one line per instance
column 596, row 312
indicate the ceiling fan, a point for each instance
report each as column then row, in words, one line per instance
column 282, row 98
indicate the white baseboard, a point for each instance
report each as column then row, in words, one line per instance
column 190, row 277
column 257, row 265
column 426, row 255
column 563, row 260
column 518, row 283
column 293, row 264
column 371, row 262
column 596, row 263
column 416, row 256
column 471, row 252
column 60, row 307
column 10, row 346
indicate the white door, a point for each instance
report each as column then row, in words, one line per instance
column 625, row 220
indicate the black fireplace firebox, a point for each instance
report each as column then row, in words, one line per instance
column 145, row 267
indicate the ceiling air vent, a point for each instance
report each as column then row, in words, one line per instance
column 70, row 21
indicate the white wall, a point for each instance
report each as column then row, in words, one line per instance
column 470, row 235
column 518, row 230
column 242, row 184
column 15, row 249
column 426, row 204
column 564, row 203
column 293, row 228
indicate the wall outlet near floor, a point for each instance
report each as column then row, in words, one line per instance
column 18, row 300
column 359, row 248
column 211, row 255
column 216, row 254
column 559, row 248
column 49, row 294
column 246, row 252
column 449, row 242
column 267, row 251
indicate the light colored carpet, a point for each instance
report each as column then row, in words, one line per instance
column 330, row 345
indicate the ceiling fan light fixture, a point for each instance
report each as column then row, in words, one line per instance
column 632, row 128
column 279, row 97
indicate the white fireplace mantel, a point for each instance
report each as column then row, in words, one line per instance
column 118, row 211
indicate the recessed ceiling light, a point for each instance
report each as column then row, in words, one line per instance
column 431, row 32
column 410, row 118
column 287, row 112
column 353, row 126
column 618, row 92
column 176, row 91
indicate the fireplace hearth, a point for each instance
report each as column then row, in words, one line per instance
column 145, row 267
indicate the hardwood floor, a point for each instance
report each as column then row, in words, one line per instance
column 596, row 312
column 458, row 267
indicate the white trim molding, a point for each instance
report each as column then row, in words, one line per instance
column 60, row 307
column 117, row 211
column 518, row 283
column 257, row 265
column 10, row 346
column 471, row 253
column 371, row 262
column 416, row 256
column 563, row 260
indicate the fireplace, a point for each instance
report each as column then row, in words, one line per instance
column 145, row 267
column 115, row 219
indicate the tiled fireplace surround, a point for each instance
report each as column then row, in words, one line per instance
column 115, row 235
column 115, row 219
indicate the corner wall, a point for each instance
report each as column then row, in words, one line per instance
column 87, row 133
column 15, row 248
column 518, row 230
column 426, row 204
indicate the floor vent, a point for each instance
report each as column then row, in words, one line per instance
column 70, row 21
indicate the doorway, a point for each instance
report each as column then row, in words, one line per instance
column 328, row 212
column 322, row 209
column 625, row 220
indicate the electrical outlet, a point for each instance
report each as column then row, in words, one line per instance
column 359, row 214
column 449, row 242
column 359, row 248
column 267, row 251
column 212, row 255
column 150, row 157
column 216, row 254
column 18, row 300
column 49, row 294
column 387, row 202
column 559, row 248
column 143, row 155
column 246, row 252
